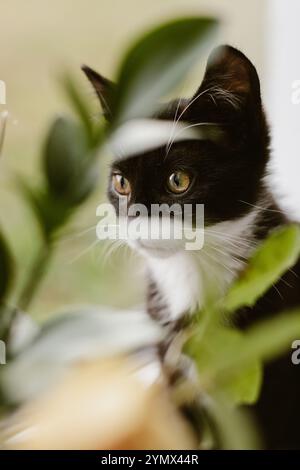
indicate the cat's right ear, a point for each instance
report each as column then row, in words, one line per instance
column 104, row 89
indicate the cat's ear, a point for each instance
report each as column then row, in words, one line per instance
column 104, row 89
column 230, row 90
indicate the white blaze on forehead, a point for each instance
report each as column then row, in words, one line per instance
column 142, row 135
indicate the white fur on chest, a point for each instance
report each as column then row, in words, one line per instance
column 185, row 278
column 179, row 281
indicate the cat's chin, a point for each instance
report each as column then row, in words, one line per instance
column 155, row 248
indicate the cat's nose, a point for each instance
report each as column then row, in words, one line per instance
column 131, row 217
column 138, row 209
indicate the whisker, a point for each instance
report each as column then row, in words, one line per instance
column 217, row 260
column 85, row 251
column 286, row 283
column 229, row 255
column 184, row 129
column 293, row 272
column 278, row 292
column 235, row 244
column 186, row 108
column 261, row 208
column 174, row 122
column 223, row 236
column 115, row 246
column 77, row 235
column 193, row 101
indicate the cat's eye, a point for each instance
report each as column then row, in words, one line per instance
column 121, row 184
column 178, row 182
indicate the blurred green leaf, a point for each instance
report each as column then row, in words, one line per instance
column 244, row 386
column 94, row 129
column 78, row 103
column 229, row 364
column 264, row 341
column 157, row 63
column 6, row 268
column 49, row 210
column 272, row 259
column 70, row 164
column 7, row 316
column 71, row 337
column 234, row 429
column 240, row 385
column 229, row 360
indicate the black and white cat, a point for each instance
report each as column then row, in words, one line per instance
column 227, row 174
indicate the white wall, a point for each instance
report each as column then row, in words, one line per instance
column 282, row 39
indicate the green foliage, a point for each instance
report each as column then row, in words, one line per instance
column 94, row 130
column 75, row 336
column 71, row 171
column 265, row 341
column 156, row 63
column 6, row 271
column 229, row 362
column 239, row 385
column 51, row 213
column 234, row 428
column 272, row 259
column 69, row 162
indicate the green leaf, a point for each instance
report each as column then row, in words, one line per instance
column 264, row 341
column 78, row 103
column 230, row 354
column 157, row 63
column 239, row 385
column 94, row 130
column 73, row 337
column 234, row 427
column 6, row 268
column 70, row 165
column 272, row 259
column 50, row 211
column 243, row 387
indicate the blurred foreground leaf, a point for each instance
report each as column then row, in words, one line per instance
column 70, row 165
column 241, row 385
column 50, row 212
column 156, row 63
column 235, row 430
column 73, row 337
column 94, row 129
column 6, row 268
column 233, row 363
column 272, row 259
column 264, row 341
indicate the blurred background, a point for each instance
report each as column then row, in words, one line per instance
column 41, row 40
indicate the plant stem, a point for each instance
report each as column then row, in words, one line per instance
column 35, row 276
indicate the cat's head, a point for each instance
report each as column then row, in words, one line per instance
column 224, row 169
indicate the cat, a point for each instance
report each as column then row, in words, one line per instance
column 227, row 172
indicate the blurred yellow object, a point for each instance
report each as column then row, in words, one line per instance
column 102, row 405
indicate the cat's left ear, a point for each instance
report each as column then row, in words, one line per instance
column 230, row 91
column 104, row 89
